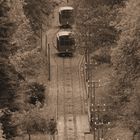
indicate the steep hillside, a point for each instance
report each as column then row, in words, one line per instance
column 21, row 63
column 126, row 68
column 109, row 29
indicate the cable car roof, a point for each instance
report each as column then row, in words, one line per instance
column 63, row 33
column 65, row 8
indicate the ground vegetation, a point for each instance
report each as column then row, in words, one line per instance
column 110, row 30
column 21, row 62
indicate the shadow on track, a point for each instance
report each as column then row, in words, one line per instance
column 65, row 55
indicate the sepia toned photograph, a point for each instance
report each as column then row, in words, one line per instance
column 69, row 69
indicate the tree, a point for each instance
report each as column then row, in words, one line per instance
column 37, row 10
column 9, row 129
column 8, row 75
column 36, row 93
column 97, row 32
column 33, row 121
column 126, row 67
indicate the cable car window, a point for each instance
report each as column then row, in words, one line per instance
column 66, row 13
column 65, row 40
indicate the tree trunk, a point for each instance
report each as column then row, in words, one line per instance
column 29, row 136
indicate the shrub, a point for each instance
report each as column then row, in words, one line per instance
column 9, row 129
column 103, row 56
column 36, row 93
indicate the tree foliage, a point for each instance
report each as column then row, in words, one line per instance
column 96, row 29
column 106, row 2
column 126, row 64
column 33, row 121
column 9, row 130
column 17, row 51
column 36, row 93
column 113, row 26
column 9, row 79
column 8, row 76
column 125, row 57
column 37, row 10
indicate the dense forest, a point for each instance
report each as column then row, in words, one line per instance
column 114, row 39
column 113, row 28
column 19, row 38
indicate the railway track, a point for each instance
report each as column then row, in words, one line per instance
column 70, row 97
column 70, row 92
column 69, row 107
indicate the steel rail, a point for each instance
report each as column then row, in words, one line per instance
column 80, row 86
column 74, row 111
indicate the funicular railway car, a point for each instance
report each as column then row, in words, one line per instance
column 66, row 16
column 65, row 43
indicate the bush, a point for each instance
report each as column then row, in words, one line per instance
column 9, row 129
column 36, row 93
column 51, row 127
column 103, row 56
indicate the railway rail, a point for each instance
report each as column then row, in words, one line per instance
column 70, row 99
column 70, row 94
